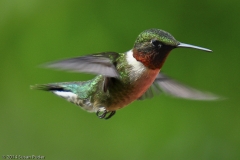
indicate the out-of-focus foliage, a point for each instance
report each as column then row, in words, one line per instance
column 39, row 123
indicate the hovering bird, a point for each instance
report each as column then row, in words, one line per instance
column 123, row 77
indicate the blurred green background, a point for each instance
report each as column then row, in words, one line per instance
column 33, row 32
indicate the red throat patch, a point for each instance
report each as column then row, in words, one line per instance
column 150, row 60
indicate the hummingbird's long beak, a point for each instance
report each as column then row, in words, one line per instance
column 184, row 45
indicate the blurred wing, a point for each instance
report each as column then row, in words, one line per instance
column 153, row 90
column 171, row 87
column 101, row 63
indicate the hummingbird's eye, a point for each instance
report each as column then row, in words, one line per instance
column 156, row 43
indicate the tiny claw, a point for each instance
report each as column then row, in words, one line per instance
column 110, row 115
column 102, row 113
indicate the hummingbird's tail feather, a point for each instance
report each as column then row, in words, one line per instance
column 47, row 87
column 74, row 92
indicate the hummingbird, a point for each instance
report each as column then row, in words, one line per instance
column 122, row 78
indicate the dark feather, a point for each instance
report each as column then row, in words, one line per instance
column 48, row 87
column 107, row 83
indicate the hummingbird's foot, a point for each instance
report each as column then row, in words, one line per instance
column 103, row 113
column 111, row 114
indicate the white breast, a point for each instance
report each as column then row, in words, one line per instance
column 137, row 67
column 132, row 61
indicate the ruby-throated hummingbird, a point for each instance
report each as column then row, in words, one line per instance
column 123, row 77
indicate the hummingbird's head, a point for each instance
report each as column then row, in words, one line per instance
column 152, row 47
